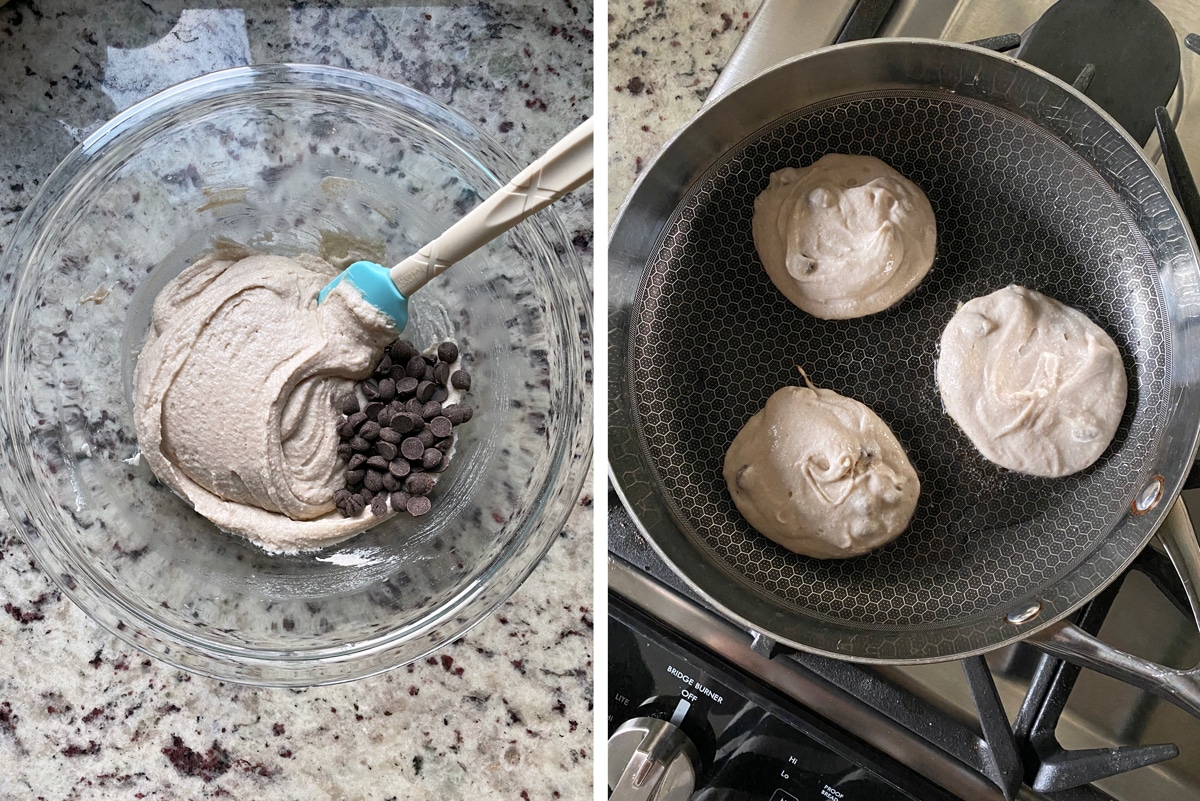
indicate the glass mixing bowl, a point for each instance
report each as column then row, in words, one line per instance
column 285, row 159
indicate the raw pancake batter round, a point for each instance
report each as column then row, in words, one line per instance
column 844, row 237
column 1036, row 386
column 821, row 474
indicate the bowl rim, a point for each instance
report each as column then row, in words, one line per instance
column 551, row 505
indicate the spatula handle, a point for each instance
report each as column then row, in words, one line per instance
column 565, row 166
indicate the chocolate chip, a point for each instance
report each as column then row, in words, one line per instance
column 353, row 506
column 441, row 373
column 400, row 436
column 379, row 506
column 418, row 506
column 441, row 427
column 402, row 350
column 412, row 448
column 405, row 387
column 458, row 413
column 403, row 423
column 419, row 484
column 351, row 424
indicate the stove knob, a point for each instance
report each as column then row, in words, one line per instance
column 651, row 760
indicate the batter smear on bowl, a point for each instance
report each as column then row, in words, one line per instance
column 237, row 392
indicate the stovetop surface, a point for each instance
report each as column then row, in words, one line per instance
column 753, row 744
column 819, row 22
column 1101, row 712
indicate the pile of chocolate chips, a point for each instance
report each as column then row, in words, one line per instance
column 398, row 442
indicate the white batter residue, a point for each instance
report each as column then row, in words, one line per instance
column 821, row 474
column 844, row 237
column 1036, row 386
column 360, row 557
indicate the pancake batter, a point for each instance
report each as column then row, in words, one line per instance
column 235, row 392
column 1036, row 386
column 844, row 237
column 821, row 474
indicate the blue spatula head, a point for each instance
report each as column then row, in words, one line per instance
column 375, row 285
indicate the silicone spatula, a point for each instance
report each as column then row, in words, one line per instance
column 565, row 166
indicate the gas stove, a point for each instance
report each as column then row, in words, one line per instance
column 748, row 719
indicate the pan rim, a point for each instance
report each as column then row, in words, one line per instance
column 619, row 380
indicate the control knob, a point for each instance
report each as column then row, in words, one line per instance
column 652, row 760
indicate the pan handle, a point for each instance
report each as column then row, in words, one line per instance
column 1177, row 168
column 1185, row 191
column 1067, row 641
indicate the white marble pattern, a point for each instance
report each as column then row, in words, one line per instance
column 203, row 40
column 663, row 57
column 506, row 712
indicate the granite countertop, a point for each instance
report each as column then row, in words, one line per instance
column 505, row 712
column 663, row 56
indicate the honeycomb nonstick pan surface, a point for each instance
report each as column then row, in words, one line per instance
column 709, row 339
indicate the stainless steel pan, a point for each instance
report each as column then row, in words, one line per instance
column 1032, row 184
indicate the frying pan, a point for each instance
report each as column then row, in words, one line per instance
column 1031, row 183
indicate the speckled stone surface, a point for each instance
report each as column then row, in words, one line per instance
column 506, row 712
column 663, row 56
